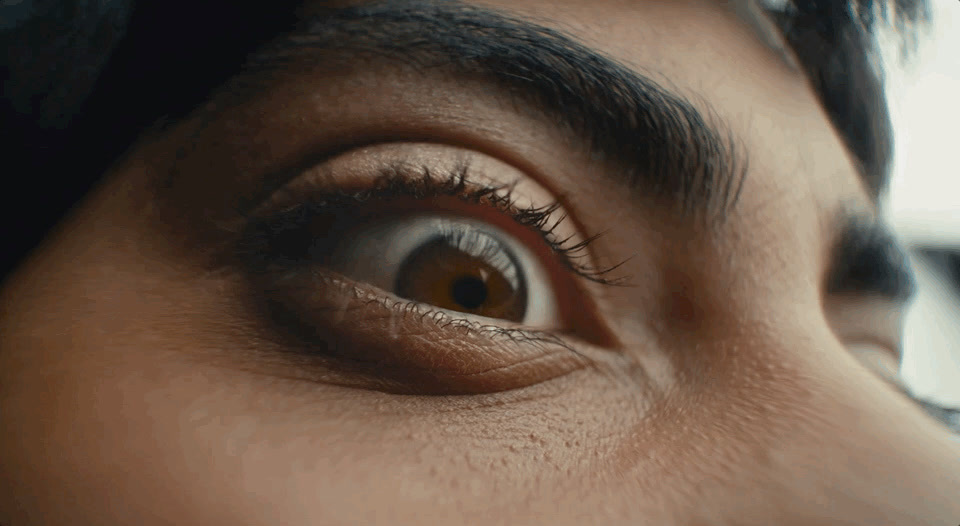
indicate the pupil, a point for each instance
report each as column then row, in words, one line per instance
column 469, row 292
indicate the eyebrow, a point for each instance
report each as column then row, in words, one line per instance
column 661, row 145
column 867, row 260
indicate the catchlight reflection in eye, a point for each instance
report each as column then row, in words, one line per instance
column 456, row 264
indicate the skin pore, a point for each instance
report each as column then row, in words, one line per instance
column 193, row 346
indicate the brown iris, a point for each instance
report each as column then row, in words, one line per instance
column 475, row 274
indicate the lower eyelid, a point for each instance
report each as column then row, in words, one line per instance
column 409, row 346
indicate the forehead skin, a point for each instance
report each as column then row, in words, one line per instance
column 129, row 394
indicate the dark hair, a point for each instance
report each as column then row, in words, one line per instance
column 82, row 79
column 835, row 44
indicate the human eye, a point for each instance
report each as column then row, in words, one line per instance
column 452, row 263
column 426, row 268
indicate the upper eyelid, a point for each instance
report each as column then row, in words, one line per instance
column 647, row 136
column 696, row 164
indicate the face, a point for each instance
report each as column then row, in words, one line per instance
column 540, row 262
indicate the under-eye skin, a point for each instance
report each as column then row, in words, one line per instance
column 425, row 279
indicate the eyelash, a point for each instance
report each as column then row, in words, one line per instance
column 446, row 320
column 421, row 183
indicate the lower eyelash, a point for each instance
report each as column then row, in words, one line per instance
column 443, row 319
column 318, row 310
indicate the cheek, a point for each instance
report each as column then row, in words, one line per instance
column 145, row 402
column 123, row 414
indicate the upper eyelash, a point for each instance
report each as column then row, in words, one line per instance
column 444, row 319
column 421, row 182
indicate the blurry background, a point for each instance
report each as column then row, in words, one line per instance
column 924, row 202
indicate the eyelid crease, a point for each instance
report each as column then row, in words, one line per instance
column 662, row 144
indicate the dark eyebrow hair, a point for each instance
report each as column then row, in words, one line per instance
column 868, row 260
column 660, row 143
